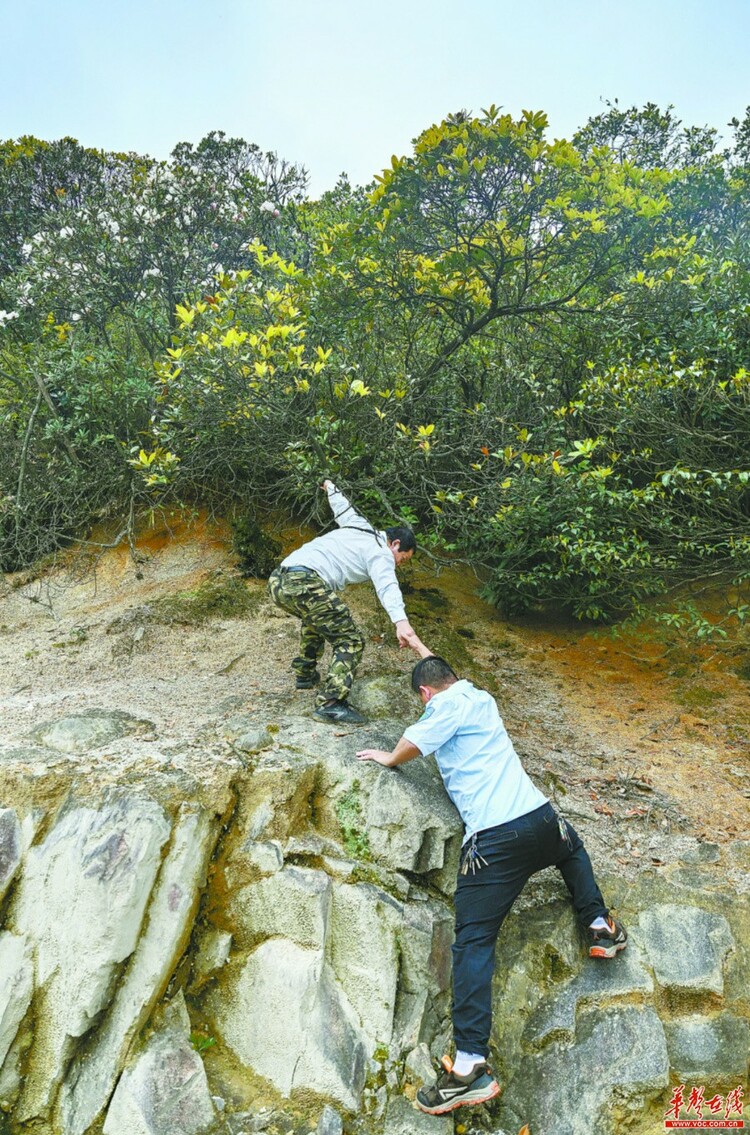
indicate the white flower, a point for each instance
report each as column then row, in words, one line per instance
column 6, row 316
column 75, row 316
column 269, row 207
column 66, row 232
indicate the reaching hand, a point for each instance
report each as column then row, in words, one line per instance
column 326, row 484
column 405, row 632
column 407, row 636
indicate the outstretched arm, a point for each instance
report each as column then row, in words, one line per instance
column 384, row 580
column 403, row 752
column 343, row 512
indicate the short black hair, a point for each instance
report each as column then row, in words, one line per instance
column 432, row 671
column 405, row 537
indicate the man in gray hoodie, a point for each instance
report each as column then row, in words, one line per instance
column 306, row 583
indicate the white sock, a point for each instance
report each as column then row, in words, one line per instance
column 600, row 923
column 465, row 1061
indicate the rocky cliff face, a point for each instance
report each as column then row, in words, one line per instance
column 214, row 920
column 289, row 902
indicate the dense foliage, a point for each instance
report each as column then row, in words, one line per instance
column 538, row 352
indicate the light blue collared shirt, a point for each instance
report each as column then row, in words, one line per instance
column 480, row 768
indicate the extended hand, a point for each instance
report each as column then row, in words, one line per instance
column 407, row 636
column 326, row 484
column 378, row 755
column 403, row 752
column 405, row 633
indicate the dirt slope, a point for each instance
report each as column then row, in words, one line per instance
column 636, row 743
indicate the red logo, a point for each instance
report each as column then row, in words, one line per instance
column 695, row 1111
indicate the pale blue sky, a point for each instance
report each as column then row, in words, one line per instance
column 342, row 84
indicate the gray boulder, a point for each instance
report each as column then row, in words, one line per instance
column 411, row 823
column 81, row 900
column 330, row 1122
column 275, row 801
column 418, row 1066
column 570, row 1089
column 293, row 903
column 211, row 954
column 90, row 730
column 687, row 946
column 402, row 1117
column 423, row 1002
column 384, row 696
column 706, row 1049
column 597, row 983
column 164, row 1091
column 364, row 954
column 285, row 1018
column 173, row 908
column 401, row 818
column 266, row 856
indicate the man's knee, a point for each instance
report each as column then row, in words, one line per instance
column 357, row 643
column 347, row 640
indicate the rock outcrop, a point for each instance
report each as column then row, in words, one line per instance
column 259, row 940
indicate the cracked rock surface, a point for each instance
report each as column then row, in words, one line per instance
column 213, row 919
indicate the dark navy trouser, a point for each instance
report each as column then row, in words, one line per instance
column 514, row 852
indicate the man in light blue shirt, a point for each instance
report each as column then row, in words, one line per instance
column 479, row 766
column 512, row 831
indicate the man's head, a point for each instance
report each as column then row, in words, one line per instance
column 402, row 543
column 431, row 675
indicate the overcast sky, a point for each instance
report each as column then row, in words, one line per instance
column 340, row 85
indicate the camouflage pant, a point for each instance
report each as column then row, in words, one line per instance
column 324, row 619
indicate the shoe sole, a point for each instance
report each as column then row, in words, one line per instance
column 606, row 951
column 464, row 1101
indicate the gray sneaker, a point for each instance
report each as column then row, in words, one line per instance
column 451, row 1091
column 607, row 943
